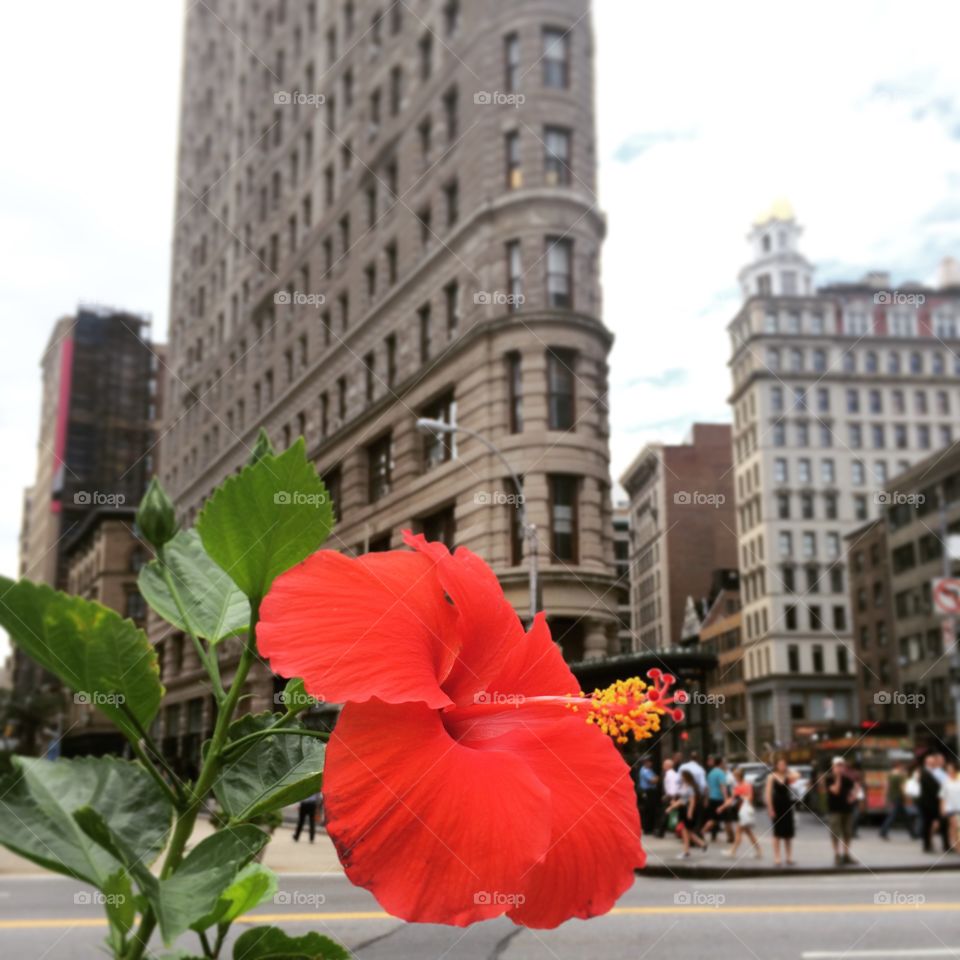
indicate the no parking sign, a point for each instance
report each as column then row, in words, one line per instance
column 946, row 595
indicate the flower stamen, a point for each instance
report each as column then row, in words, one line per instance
column 631, row 706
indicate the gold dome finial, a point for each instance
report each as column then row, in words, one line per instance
column 779, row 210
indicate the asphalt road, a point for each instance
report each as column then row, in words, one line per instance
column 908, row 916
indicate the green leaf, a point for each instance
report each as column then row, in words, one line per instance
column 88, row 646
column 270, row 772
column 271, row 943
column 267, row 518
column 254, row 884
column 194, row 889
column 214, row 606
column 38, row 800
column 119, row 902
column 295, row 698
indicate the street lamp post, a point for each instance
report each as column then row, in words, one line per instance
column 426, row 426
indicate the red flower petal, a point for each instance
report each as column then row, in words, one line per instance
column 374, row 626
column 437, row 831
column 595, row 827
column 487, row 626
column 535, row 666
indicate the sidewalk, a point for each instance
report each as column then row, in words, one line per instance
column 811, row 851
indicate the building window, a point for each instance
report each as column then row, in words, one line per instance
column 559, row 280
column 423, row 320
column 843, row 659
column 440, row 446
column 560, row 389
column 369, row 362
column 514, row 276
column 424, row 218
column 390, row 344
column 515, row 391
column 451, row 19
column 451, row 297
column 332, row 481
column 817, row 658
column 556, row 156
column 511, row 62
column 517, row 533
column 380, row 467
column 440, row 527
column 563, row 517
column 514, row 169
column 136, row 606
column 556, row 57
column 451, row 115
column 396, row 90
column 793, row 658
column 451, row 195
column 426, row 55
column 790, row 616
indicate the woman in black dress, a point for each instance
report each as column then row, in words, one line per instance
column 780, row 802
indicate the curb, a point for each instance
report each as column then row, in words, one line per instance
column 713, row 872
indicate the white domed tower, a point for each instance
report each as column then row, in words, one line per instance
column 777, row 269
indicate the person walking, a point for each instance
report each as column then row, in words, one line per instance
column 841, row 796
column 690, row 806
column 896, row 802
column 648, row 784
column 695, row 769
column 671, row 790
column 780, row 801
column 950, row 804
column 929, row 804
column 717, row 794
column 307, row 814
column 740, row 802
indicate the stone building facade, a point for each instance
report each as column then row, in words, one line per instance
column 387, row 211
column 835, row 390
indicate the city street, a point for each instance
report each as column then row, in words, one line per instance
column 912, row 916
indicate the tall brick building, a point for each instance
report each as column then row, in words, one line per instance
column 682, row 529
column 102, row 388
column 388, row 211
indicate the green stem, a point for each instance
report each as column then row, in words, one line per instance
column 172, row 795
column 148, row 761
column 270, row 732
column 207, row 951
column 207, row 658
column 208, row 772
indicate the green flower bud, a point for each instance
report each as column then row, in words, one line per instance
column 155, row 516
column 262, row 448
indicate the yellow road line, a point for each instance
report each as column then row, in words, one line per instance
column 47, row 923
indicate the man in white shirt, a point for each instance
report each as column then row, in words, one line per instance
column 671, row 790
column 696, row 770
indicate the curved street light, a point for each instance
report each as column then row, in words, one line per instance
column 426, row 425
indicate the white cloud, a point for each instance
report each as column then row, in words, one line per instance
column 706, row 114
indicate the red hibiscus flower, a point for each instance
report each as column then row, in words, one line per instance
column 462, row 781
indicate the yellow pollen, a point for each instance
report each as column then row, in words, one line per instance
column 623, row 709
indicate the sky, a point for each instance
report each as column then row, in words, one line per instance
column 706, row 114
